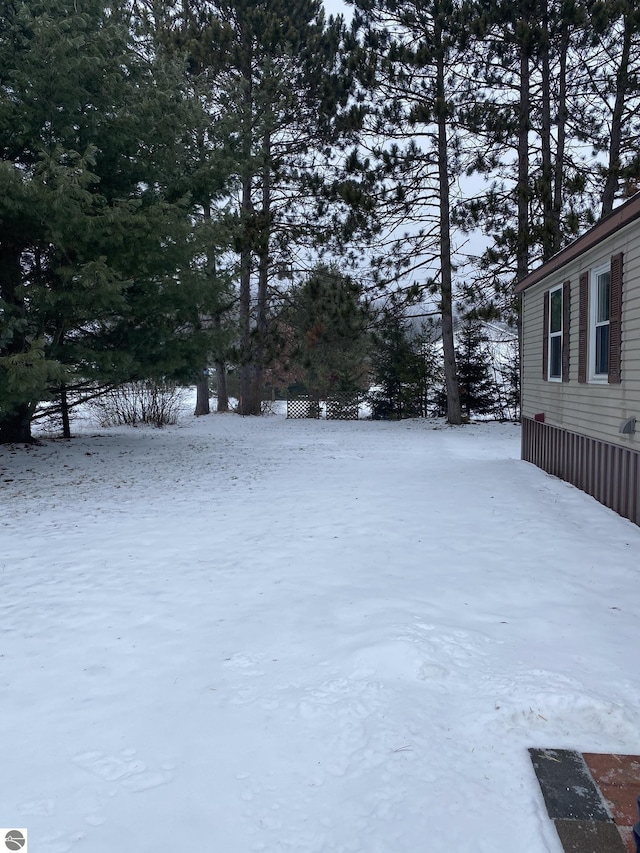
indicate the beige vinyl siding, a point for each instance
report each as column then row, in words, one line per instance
column 591, row 409
column 631, row 328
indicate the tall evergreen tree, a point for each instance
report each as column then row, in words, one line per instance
column 612, row 96
column 99, row 270
column 557, row 108
column 507, row 371
column 405, row 367
column 477, row 383
column 278, row 96
column 416, row 135
column 330, row 322
column 208, row 171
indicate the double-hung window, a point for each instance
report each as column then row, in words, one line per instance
column 599, row 323
column 555, row 334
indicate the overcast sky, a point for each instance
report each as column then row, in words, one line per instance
column 335, row 7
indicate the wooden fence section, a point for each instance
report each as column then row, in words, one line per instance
column 607, row 472
column 303, row 407
column 343, row 407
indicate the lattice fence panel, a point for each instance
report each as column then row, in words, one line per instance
column 342, row 407
column 303, row 407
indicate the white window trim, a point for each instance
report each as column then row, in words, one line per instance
column 595, row 378
column 555, row 334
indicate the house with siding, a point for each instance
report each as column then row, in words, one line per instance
column 581, row 362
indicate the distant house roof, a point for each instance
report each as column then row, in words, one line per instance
column 611, row 223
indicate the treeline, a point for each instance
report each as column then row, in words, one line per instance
column 172, row 170
column 515, row 120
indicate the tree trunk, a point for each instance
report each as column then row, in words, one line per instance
column 454, row 414
column 252, row 371
column 221, row 383
column 202, row 395
column 15, row 426
column 622, row 86
column 253, row 395
column 522, row 189
column 563, row 116
column 247, row 401
column 246, row 391
column 546, row 189
column 263, row 279
column 202, row 383
column 64, row 413
column 221, row 371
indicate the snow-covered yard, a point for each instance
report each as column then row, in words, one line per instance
column 240, row 635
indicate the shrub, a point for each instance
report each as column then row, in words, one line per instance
column 142, row 402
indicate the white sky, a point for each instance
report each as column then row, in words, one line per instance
column 337, row 7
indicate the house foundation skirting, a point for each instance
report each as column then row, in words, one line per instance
column 607, row 472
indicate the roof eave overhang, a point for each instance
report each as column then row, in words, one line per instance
column 621, row 216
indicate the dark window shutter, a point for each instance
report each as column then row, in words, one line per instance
column 545, row 337
column 615, row 318
column 566, row 322
column 583, row 327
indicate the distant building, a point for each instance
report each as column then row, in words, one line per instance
column 581, row 362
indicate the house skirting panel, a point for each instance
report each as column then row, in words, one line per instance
column 607, row 472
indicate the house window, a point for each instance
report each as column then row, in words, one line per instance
column 555, row 334
column 599, row 302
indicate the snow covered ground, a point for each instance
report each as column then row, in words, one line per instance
column 240, row 635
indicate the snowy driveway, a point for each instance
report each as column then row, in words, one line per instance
column 245, row 635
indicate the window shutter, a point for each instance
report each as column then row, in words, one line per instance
column 566, row 321
column 583, row 326
column 545, row 337
column 615, row 318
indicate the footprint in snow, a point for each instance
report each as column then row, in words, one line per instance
column 244, row 662
column 109, row 767
column 130, row 772
column 40, row 808
column 146, row 781
column 60, row 843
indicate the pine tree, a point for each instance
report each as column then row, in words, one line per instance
column 416, row 144
column 405, row 367
column 507, row 368
column 611, row 117
column 330, row 320
column 98, row 257
column 184, row 32
column 556, row 114
column 477, row 384
column 277, row 95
